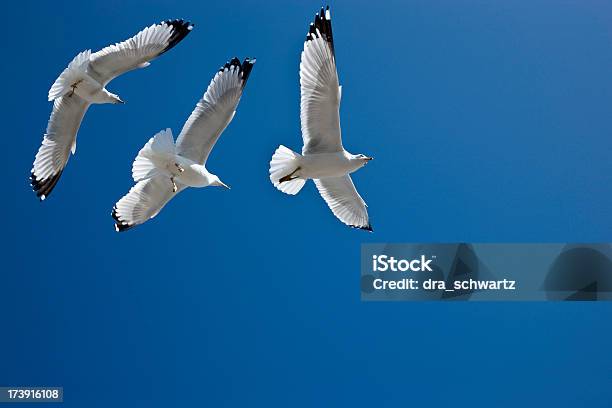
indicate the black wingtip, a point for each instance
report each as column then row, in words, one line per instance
column 322, row 25
column 247, row 66
column 365, row 228
column 120, row 226
column 244, row 68
column 44, row 187
column 180, row 29
column 234, row 62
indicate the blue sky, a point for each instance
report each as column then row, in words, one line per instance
column 489, row 122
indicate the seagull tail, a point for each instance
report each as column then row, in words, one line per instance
column 284, row 162
column 76, row 70
column 158, row 150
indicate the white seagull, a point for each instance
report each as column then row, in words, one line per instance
column 84, row 82
column 323, row 158
column 162, row 168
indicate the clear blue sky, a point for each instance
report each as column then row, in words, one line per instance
column 489, row 122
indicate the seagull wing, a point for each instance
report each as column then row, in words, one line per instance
column 214, row 111
column 143, row 202
column 58, row 142
column 320, row 103
column 345, row 202
column 136, row 52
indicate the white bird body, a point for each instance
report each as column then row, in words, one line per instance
column 164, row 168
column 92, row 91
column 192, row 175
column 83, row 83
column 323, row 158
column 322, row 165
column 196, row 175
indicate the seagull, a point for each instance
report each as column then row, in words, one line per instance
column 323, row 158
column 163, row 169
column 84, row 82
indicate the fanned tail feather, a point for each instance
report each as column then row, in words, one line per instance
column 158, row 148
column 284, row 162
column 75, row 71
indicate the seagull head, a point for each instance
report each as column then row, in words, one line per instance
column 363, row 158
column 217, row 182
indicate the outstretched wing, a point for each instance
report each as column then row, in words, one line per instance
column 345, row 202
column 59, row 140
column 320, row 103
column 214, row 111
column 136, row 52
column 143, row 202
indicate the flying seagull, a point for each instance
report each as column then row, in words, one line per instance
column 323, row 158
column 163, row 169
column 84, row 82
